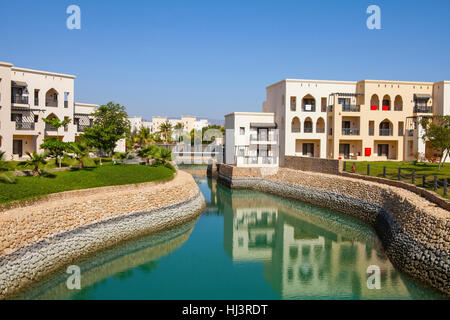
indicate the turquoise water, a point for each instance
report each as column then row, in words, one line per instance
column 245, row 245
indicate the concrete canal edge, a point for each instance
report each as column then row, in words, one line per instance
column 415, row 233
column 43, row 254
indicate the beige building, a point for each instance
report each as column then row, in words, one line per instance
column 364, row 120
column 26, row 97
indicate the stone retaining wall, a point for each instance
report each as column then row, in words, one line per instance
column 331, row 166
column 415, row 233
column 38, row 240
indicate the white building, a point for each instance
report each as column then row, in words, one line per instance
column 251, row 139
column 188, row 122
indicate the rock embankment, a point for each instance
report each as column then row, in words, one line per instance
column 38, row 239
column 415, row 232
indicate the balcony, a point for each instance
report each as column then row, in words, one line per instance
column 24, row 125
column 296, row 130
column 320, row 130
column 82, row 128
column 351, row 108
column 385, row 132
column 49, row 127
column 263, row 138
column 423, row 109
column 309, row 108
column 308, row 130
column 51, row 103
column 410, row 133
column 350, row 131
column 19, row 99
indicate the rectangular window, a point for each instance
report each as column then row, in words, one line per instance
column 66, row 99
column 242, row 131
column 36, row 97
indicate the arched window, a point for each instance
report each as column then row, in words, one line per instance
column 308, row 126
column 51, row 98
column 386, row 128
column 295, row 125
column 308, row 103
column 398, row 103
column 374, row 102
column 386, row 103
column 320, row 125
column 49, row 127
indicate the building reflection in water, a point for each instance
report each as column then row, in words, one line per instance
column 307, row 252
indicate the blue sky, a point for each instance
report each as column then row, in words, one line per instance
column 209, row 58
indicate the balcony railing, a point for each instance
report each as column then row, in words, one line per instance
column 51, row 103
column 371, row 131
column 351, row 108
column 350, row 131
column 385, row 132
column 423, row 109
column 320, row 130
column 81, row 128
column 308, row 130
column 262, row 137
column 49, row 127
column 24, row 125
column 296, row 130
column 19, row 99
column 410, row 133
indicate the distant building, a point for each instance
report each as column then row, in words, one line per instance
column 189, row 123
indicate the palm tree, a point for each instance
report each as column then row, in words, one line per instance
column 6, row 176
column 147, row 153
column 144, row 136
column 35, row 160
column 80, row 149
column 179, row 126
column 166, row 130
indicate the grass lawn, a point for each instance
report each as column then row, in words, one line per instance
column 429, row 169
column 106, row 175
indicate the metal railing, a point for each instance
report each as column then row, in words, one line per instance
column 295, row 130
column 309, row 107
column 24, row 125
column 51, row 103
column 308, row 130
column 385, row 132
column 320, row 130
column 351, row 108
column 19, row 99
column 350, row 131
column 49, row 127
column 81, row 128
column 423, row 109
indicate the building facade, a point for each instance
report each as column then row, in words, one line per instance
column 26, row 97
column 366, row 120
column 251, row 139
column 189, row 123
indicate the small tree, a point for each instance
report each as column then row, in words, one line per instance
column 5, row 175
column 166, row 130
column 56, row 148
column 55, row 122
column 147, row 153
column 162, row 156
column 35, row 161
column 437, row 132
column 80, row 149
column 109, row 126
